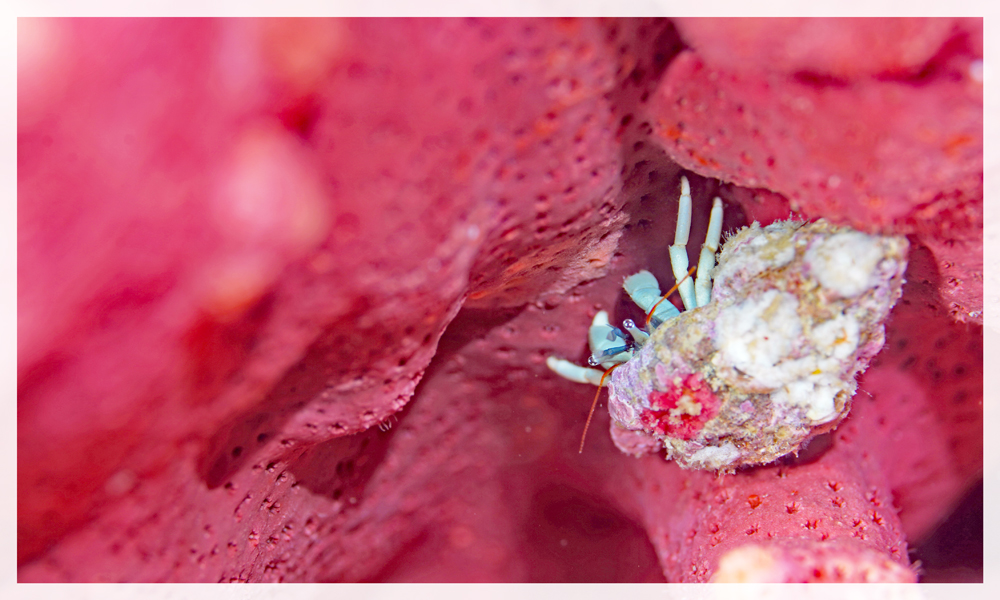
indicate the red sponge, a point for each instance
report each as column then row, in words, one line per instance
column 241, row 242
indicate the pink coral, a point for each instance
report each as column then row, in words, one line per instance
column 240, row 244
column 683, row 410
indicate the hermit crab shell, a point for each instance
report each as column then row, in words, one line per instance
column 797, row 312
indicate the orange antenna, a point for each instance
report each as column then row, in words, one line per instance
column 649, row 315
column 594, row 405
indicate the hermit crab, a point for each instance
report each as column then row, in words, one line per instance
column 765, row 355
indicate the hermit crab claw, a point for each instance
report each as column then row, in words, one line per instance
column 573, row 372
column 608, row 346
column 644, row 290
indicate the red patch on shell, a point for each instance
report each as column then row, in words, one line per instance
column 681, row 411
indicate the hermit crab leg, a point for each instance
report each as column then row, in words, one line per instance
column 678, row 252
column 706, row 262
column 663, row 298
column 573, row 372
column 645, row 291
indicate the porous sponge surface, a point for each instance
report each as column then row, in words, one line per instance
column 240, row 244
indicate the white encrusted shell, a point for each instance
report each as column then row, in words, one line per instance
column 797, row 313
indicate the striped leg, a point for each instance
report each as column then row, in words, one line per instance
column 706, row 262
column 678, row 252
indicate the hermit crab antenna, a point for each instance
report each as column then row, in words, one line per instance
column 649, row 315
column 593, row 406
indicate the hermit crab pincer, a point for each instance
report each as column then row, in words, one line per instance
column 765, row 355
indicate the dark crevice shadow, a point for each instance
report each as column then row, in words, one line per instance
column 340, row 352
column 342, row 468
column 240, row 440
column 938, row 66
column 575, row 537
column 469, row 325
column 811, row 451
column 819, row 80
column 954, row 550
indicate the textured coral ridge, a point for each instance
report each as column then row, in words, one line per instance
column 798, row 312
column 240, row 244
